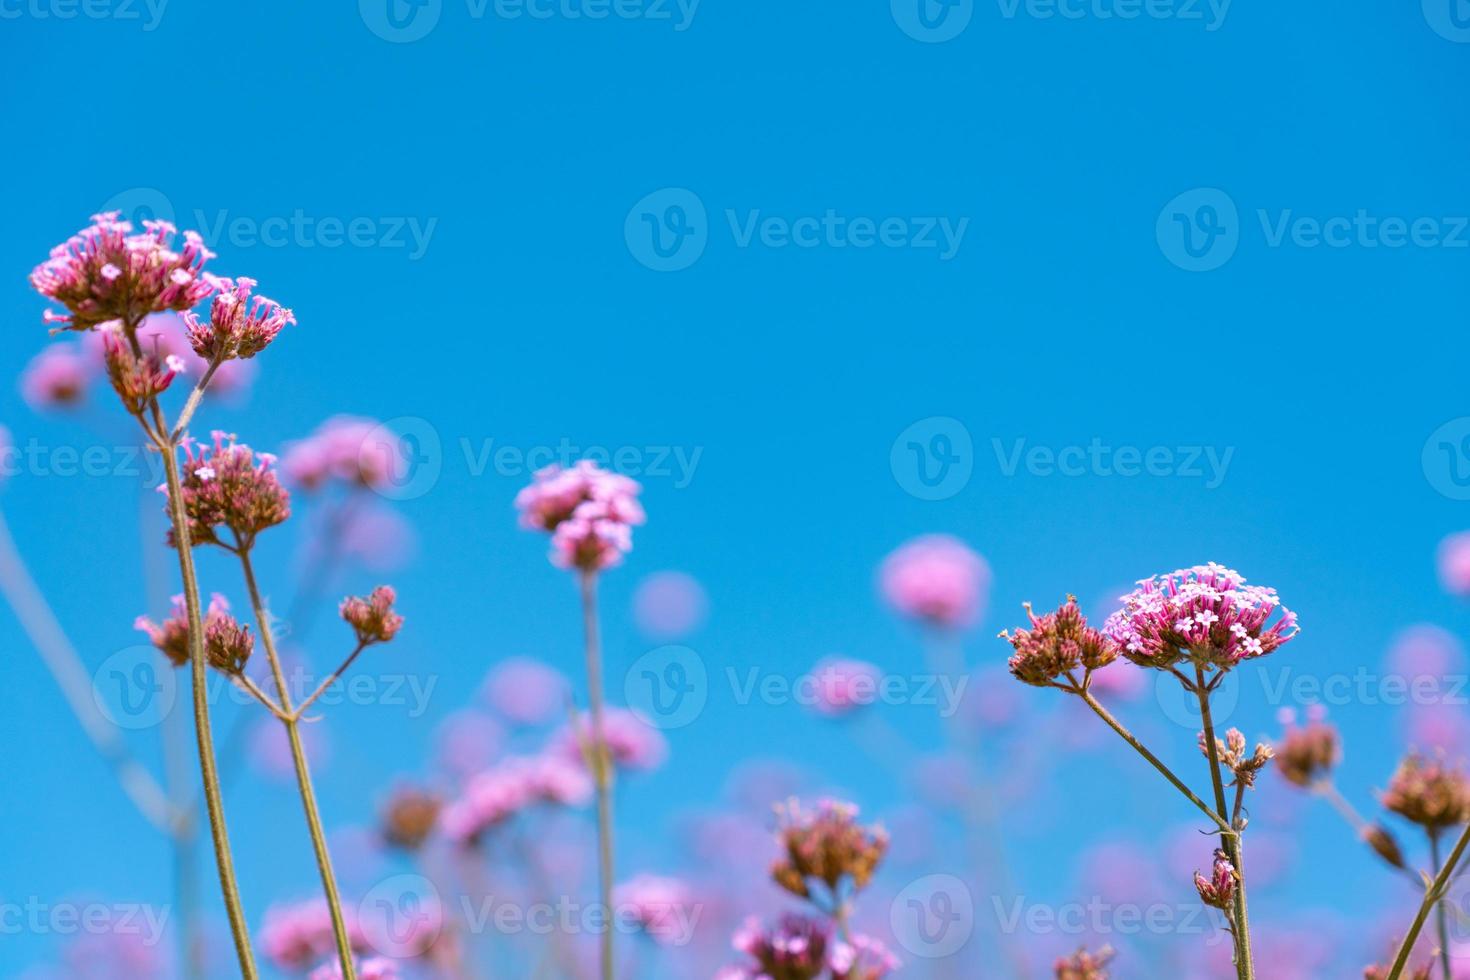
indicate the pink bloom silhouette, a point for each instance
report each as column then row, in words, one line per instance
column 936, row 579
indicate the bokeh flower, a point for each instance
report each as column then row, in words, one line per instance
column 355, row 451
column 840, row 685
column 669, row 605
column 660, row 906
column 57, row 377
column 1083, row 965
column 825, row 844
column 936, row 579
column 409, row 816
column 1307, row 754
column 632, row 743
column 296, row 935
column 526, row 691
column 1452, row 560
column 504, row 791
column 1429, row 792
column 589, row 511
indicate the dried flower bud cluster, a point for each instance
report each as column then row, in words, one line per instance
column 1206, row 614
column 104, row 272
column 1308, row 754
column 589, row 511
column 827, row 845
column 372, row 617
column 1056, row 645
column 1231, row 751
column 1429, row 792
column 409, row 817
column 802, row 947
column 137, row 377
column 227, row 644
column 1218, row 891
column 1083, row 965
column 239, row 325
column 230, row 485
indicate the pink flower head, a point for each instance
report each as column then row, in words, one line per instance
column 631, row 742
column 104, row 272
column 500, row 793
column 589, row 511
column 139, row 376
column 526, row 691
column 114, row 954
column 297, row 935
column 669, row 605
column 1218, row 891
column 372, row 617
column 794, row 949
column 227, row 644
column 377, row 968
column 936, row 579
column 230, row 485
column 861, row 958
column 239, row 325
column 659, row 906
column 356, row 451
column 1057, row 645
column 840, row 685
column 1453, row 559
column 56, row 378
column 825, row 844
column 1206, row 614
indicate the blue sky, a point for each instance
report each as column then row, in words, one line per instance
column 859, row 229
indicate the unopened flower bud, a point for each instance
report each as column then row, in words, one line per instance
column 409, row 817
column 372, row 617
column 1057, row 644
column 1377, row 837
column 1218, row 891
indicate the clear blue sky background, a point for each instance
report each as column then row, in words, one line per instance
column 528, row 319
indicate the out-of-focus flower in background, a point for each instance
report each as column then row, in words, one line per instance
column 525, row 691
column 936, row 579
column 669, row 605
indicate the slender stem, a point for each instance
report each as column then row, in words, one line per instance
column 303, row 773
column 601, row 769
column 1243, row 964
column 1225, row 829
column 253, row 689
column 65, row 665
column 1328, row 790
column 1433, row 894
column 193, row 403
column 214, row 802
column 322, row 688
column 1441, row 925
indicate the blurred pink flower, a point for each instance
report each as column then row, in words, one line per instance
column 660, row 906
column 1119, row 681
column 526, row 691
column 589, row 511
column 113, row 955
column 840, row 685
column 1424, row 650
column 467, row 742
column 669, row 605
column 1441, row 726
column 1453, row 561
column 352, row 450
column 500, row 793
column 296, row 935
column 936, row 579
column 57, row 377
column 377, row 968
column 631, row 741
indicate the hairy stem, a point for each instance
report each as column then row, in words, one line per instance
column 601, row 766
column 303, row 773
column 1432, row 895
column 1441, row 924
column 1225, row 829
column 1243, row 965
column 332, row 677
column 214, row 802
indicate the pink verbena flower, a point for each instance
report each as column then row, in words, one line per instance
column 139, row 376
column 1056, row 645
column 502, row 792
column 861, row 958
column 936, row 579
column 230, row 485
column 1218, row 891
column 1453, row 561
column 372, row 617
column 825, row 844
column 840, row 685
column 589, row 511
column 658, row 906
column 104, row 272
column 353, row 450
column 377, row 968
column 1429, row 791
column 632, row 743
column 294, row 936
column 57, row 377
column 526, row 691
column 795, row 948
column 239, row 325
column 227, row 644
column 1206, row 614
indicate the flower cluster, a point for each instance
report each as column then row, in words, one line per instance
column 1056, row 645
column 589, row 511
column 936, row 579
column 227, row 644
column 1218, row 891
column 57, row 377
column 138, row 376
column 630, row 741
column 1206, row 614
column 104, row 272
column 826, row 844
column 802, row 947
column 1231, row 751
column 372, row 617
column 655, row 904
column 296, row 936
column 1307, row 754
column 841, row 685
column 358, row 452
column 409, row 817
column 516, row 784
column 230, row 485
column 1429, row 792
column 239, row 325
column 1083, row 965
